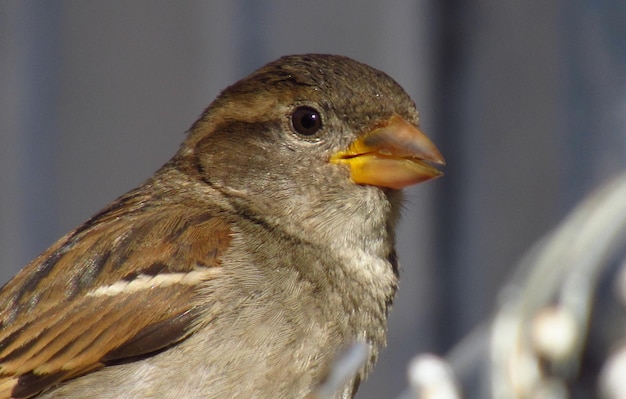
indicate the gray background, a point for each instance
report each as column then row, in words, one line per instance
column 526, row 100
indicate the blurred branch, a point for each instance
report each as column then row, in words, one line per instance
column 536, row 343
column 345, row 367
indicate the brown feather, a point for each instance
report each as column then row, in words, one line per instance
column 75, row 307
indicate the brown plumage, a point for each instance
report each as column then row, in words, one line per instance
column 244, row 264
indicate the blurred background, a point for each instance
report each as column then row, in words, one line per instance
column 526, row 100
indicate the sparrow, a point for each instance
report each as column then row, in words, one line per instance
column 245, row 263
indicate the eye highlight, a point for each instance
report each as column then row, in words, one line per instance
column 306, row 121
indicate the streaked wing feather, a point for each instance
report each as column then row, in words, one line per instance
column 118, row 287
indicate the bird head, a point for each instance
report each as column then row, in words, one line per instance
column 312, row 135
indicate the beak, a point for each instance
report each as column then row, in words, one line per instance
column 394, row 155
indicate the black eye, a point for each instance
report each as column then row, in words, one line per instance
column 306, row 121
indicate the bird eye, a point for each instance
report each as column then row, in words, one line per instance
column 306, row 121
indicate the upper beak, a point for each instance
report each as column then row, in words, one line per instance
column 394, row 155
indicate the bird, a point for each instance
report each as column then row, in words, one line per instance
column 263, row 247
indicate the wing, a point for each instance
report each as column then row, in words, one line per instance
column 119, row 287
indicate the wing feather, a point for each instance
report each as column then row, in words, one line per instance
column 122, row 285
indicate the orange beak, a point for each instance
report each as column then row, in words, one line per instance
column 394, row 155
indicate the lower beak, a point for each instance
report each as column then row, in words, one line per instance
column 394, row 155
